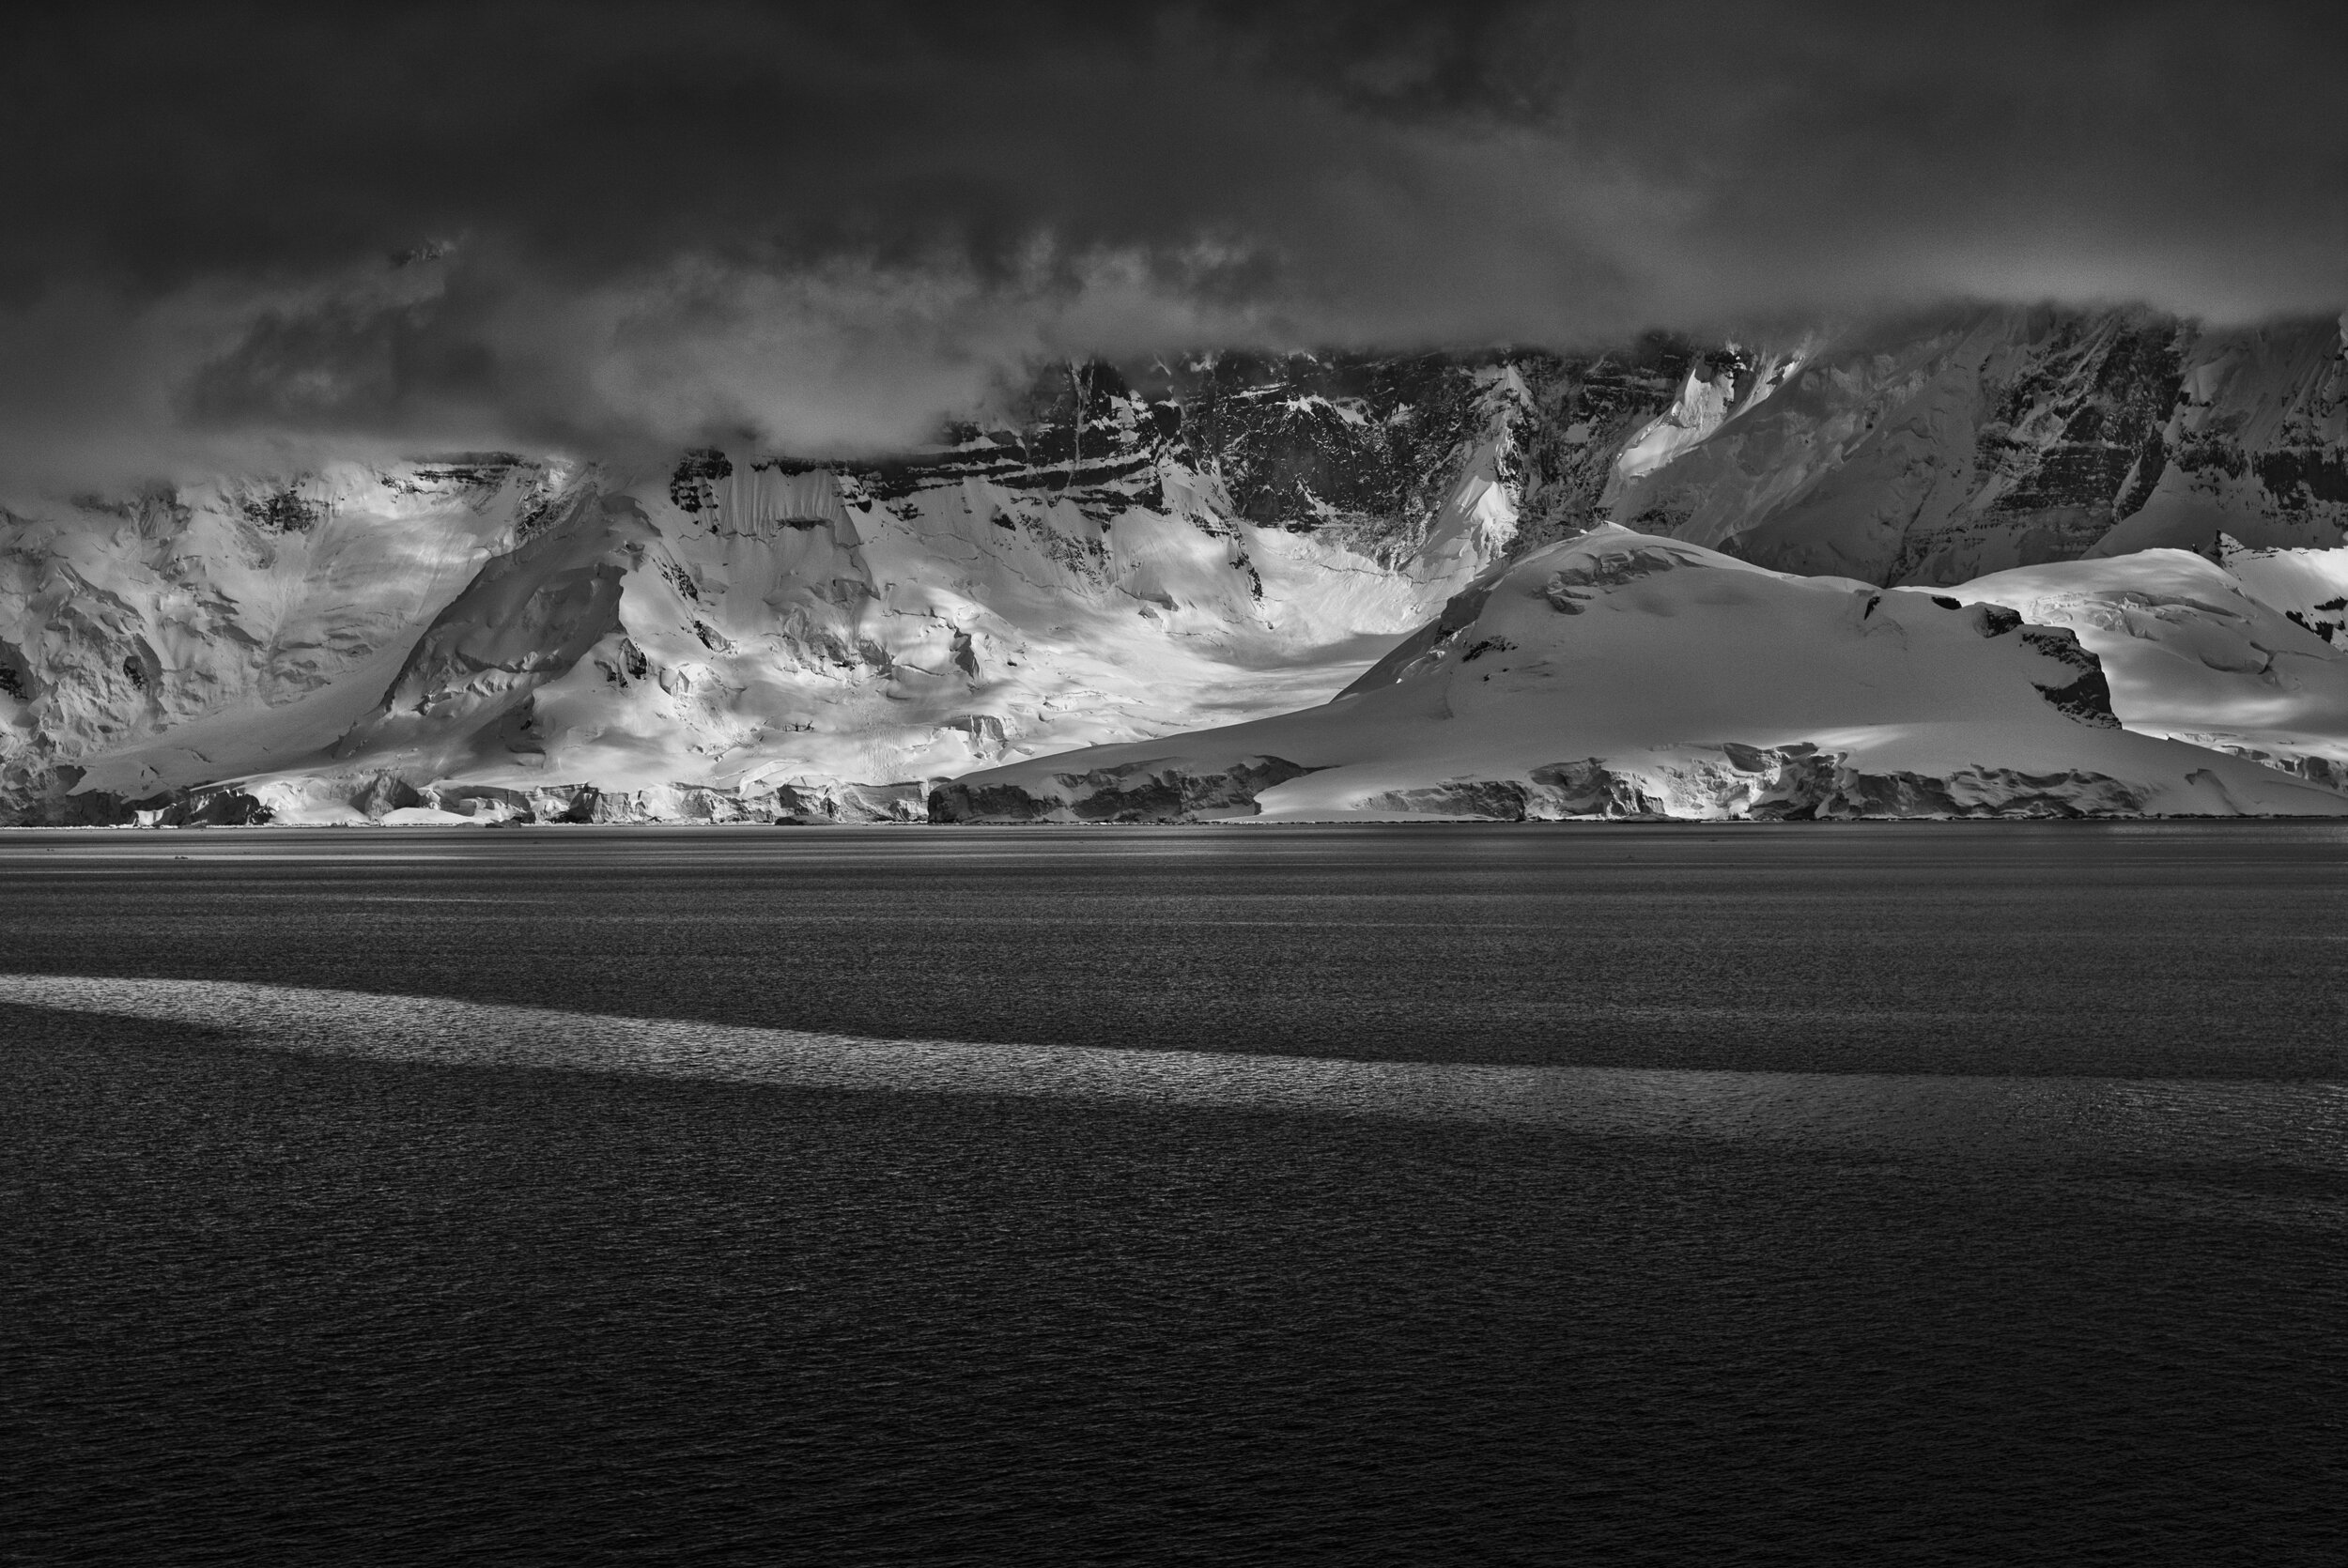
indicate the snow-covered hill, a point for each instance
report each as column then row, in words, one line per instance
column 1112, row 556
column 2248, row 653
column 1627, row 674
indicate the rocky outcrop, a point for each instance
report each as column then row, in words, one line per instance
column 1802, row 783
column 1129, row 792
column 220, row 807
column 2329, row 772
column 378, row 798
column 845, row 804
column 1742, row 783
column 2086, row 698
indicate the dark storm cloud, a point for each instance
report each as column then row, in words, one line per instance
column 185, row 140
column 819, row 225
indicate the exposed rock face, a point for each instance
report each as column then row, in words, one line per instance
column 852, row 803
column 2086, row 698
column 382, row 798
column 1794, row 783
column 1932, row 452
column 57, row 807
column 1128, row 792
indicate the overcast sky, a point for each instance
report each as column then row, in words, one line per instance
column 623, row 229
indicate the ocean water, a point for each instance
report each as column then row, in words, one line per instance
column 1870, row 1194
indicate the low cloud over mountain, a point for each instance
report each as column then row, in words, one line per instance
column 260, row 237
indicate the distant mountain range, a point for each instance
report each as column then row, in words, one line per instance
column 1133, row 552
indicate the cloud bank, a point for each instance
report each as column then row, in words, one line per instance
column 254, row 235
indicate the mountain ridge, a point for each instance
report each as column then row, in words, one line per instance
column 1116, row 553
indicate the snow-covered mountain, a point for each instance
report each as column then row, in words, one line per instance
column 1117, row 554
column 1627, row 674
column 1934, row 452
column 493, row 635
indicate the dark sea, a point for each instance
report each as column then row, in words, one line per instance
column 1880, row 1193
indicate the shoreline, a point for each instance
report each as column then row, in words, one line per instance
column 1256, row 824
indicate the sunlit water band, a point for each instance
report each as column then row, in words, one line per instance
column 2302, row 1125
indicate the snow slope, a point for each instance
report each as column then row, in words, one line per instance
column 2244, row 656
column 1629, row 674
